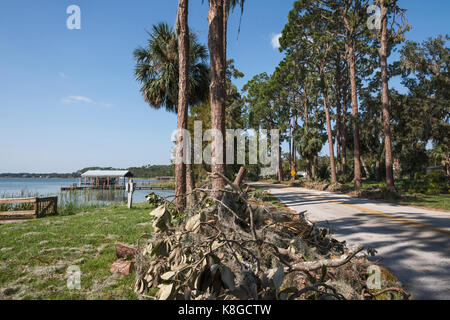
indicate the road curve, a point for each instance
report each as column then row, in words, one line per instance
column 415, row 243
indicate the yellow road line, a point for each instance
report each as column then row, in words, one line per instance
column 385, row 215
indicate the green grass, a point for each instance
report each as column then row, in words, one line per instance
column 69, row 202
column 35, row 255
column 440, row 201
column 267, row 197
column 170, row 185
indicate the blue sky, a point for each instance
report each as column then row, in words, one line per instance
column 68, row 98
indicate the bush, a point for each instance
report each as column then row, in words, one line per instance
column 348, row 176
column 324, row 172
column 432, row 184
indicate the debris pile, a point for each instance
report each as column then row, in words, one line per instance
column 155, row 200
column 230, row 247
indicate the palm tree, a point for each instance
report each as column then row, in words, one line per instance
column 157, row 70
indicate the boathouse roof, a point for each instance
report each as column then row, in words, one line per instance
column 108, row 173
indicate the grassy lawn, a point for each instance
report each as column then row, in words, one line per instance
column 35, row 255
column 267, row 197
column 441, row 201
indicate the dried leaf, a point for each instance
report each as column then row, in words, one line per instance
column 203, row 280
column 161, row 219
column 193, row 223
column 165, row 292
column 168, row 275
column 228, row 277
column 158, row 212
column 276, row 277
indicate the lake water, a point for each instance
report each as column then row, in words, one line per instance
column 30, row 187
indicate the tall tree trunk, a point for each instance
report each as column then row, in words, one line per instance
column 183, row 100
column 314, row 166
column 293, row 150
column 290, row 151
column 330, row 138
column 280, row 167
column 293, row 143
column 226, row 14
column 356, row 149
column 377, row 170
column 338, row 114
column 385, row 97
column 190, row 183
column 344, row 132
column 308, row 169
column 306, row 122
column 217, row 88
column 338, row 140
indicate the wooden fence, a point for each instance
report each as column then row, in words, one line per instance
column 29, row 208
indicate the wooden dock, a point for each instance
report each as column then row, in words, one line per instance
column 137, row 187
column 118, row 180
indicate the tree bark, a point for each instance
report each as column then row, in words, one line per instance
column 183, row 101
column 377, row 170
column 190, row 186
column 290, row 151
column 344, row 132
column 354, row 95
column 385, row 97
column 280, row 167
column 217, row 88
column 314, row 166
column 306, row 122
column 293, row 150
column 338, row 114
column 226, row 14
column 330, row 138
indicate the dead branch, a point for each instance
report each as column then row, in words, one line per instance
column 369, row 294
column 316, row 265
column 199, row 254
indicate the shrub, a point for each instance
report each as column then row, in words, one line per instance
column 432, row 184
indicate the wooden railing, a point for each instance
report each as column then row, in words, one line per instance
column 38, row 208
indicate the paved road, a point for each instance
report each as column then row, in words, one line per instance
column 415, row 243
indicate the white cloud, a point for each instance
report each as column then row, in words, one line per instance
column 82, row 99
column 275, row 41
column 77, row 99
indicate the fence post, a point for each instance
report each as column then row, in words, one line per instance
column 36, row 207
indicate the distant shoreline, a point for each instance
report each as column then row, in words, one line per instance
column 144, row 172
column 37, row 176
